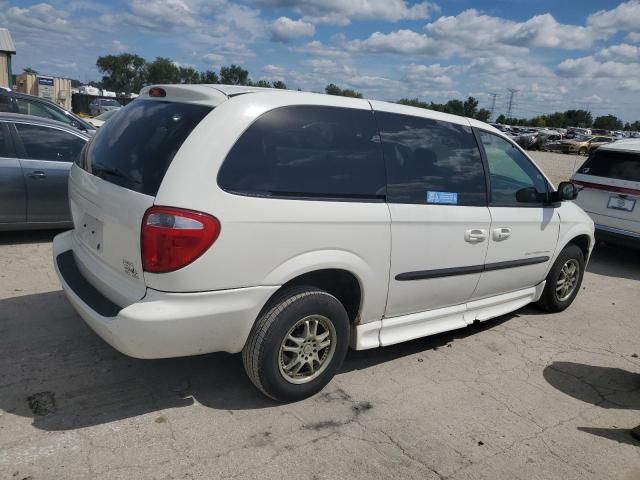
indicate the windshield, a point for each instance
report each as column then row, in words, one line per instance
column 582, row 138
column 135, row 148
column 110, row 103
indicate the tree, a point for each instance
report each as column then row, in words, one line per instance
column 234, row 75
column 483, row 115
column 470, row 107
column 538, row 122
column 209, row 77
column 608, row 122
column 123, row 73
column 262, row 83
column 578, row 118
column 163, row 70
column 333, row 89
column 455, row 107
column 189, row 75
column 30, row 71
column 413, row 102
column 279, row 84
column 558, row 120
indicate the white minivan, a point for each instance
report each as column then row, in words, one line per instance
column 610, row 181
column 288, row 226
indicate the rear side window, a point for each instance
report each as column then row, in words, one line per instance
column 135, row 148
column 612, row 164
column 39, row 109
column 44, row 143
column 430, row 161
column 308, row 151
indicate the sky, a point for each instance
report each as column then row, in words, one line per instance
column 557, row 54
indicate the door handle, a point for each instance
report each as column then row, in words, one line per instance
column 475, row 235
column 501, row 233
column 38, row 174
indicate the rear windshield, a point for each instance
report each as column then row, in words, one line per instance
column 134, row 149
column 612, row 164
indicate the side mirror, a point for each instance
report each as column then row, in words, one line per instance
column 566, row 191
column 530, row 195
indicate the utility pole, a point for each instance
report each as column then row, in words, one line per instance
column 493, row 103
column 513, row 92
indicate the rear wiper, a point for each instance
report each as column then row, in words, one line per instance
column 98, row 169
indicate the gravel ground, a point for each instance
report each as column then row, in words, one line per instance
column 558, row 166
column 525, row 396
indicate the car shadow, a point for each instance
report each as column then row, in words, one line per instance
column 28, row 236
column 606, row 387
column 55, row 370
column 615, row 261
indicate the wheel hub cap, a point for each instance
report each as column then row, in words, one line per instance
column 567, row 280
column 307, row 349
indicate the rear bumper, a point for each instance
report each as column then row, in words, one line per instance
column 162, row 324
column 617, row 236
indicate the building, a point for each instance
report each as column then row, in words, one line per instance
column 7, row 48
column 55, row 89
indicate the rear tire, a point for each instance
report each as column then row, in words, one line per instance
column 297, row 344
column 564, row 280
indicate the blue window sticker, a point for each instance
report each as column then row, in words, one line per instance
column 443, row 198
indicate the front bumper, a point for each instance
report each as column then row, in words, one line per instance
column 162, row 325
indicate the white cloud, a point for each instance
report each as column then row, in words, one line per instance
column 631, row 85
column 316, row 47
column 341, row 12
column 405, row 42
column 284, row 29
column 118, row 46
column 429, row 75
column 474, row 29
column 633, row 37
column 622, row 52
column 625, row 17
column 591, row 68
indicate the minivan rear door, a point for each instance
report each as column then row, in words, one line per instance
column 611, row 188
column 119, row 176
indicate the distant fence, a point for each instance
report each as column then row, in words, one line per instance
column 80, row 102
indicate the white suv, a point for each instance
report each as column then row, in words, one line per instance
column 610, row 181
column 288, row 226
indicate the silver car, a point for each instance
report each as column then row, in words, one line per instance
column 36, row 155
column 101, row 105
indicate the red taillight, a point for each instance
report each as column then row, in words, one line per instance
column 157, row 92
column 172, row 238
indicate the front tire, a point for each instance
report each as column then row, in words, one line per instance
column 583, row 151
column 564, row 280
column 297, row 344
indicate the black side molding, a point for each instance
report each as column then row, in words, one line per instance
column 450, row 272
column 82, row 288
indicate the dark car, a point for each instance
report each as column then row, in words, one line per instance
column 15, row 102
column 36, row 155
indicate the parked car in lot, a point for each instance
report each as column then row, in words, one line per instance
column 584, row 145
column 35, row 157
column 288, row 226
column 611, row 191
column 98, row 121
column 102, row 105
column 15, row 102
